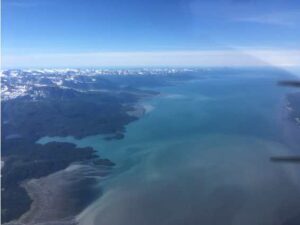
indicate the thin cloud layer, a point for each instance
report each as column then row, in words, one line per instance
column 163, row 58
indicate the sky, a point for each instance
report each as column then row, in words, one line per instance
column 95, row 33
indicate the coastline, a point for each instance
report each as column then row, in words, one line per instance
column 59, row 197
column 54, row 110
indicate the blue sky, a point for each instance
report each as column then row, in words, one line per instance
column 36, row 32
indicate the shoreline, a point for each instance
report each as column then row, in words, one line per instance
column 60, row 171
column 61, row 196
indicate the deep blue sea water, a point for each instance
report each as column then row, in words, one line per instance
column 200, row 156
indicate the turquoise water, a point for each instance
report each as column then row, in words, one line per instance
column 201, row 156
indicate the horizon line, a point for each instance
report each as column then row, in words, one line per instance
column 199, row 58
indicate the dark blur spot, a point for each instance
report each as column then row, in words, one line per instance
column 289, row 83
column 290, row 159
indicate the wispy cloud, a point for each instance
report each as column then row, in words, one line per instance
column 283, row 18
column 168, row 58
column 269, row 12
